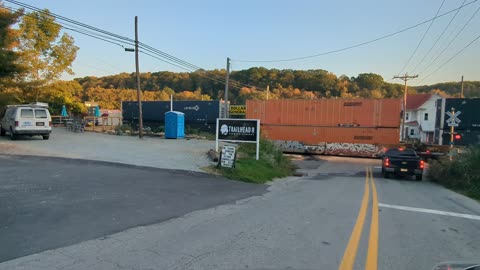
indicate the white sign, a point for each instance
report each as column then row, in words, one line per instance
column 453, row 121
column 228, row 156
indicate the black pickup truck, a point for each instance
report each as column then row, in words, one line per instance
column 402, row 162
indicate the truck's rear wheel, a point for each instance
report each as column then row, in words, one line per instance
column 385, row 174
column 418, row 177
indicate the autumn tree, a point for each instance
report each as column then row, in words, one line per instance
column 46, row 52
column 9, row 67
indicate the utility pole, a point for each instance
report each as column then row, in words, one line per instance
column 452, row 131
column 139, row 93
column 461, row 91
column 405, row 78
column 226, row 88
column 268, row 91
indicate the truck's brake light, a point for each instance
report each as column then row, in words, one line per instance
column 422, row 164
column 386, row 162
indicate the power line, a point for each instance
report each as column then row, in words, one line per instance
column 359, row 44
column 439, row 37
column 27, row 6
column 450, row 59
column 421, row 40
column 117, row 40
column 451, row 41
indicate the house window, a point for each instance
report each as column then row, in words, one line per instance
column 425, row 117
column 406, row 116
column 412, row 131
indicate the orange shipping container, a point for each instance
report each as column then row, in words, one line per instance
column 316, row 135
column 327, row 112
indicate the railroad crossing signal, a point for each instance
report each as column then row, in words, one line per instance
column 453, row 121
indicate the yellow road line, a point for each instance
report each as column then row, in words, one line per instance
column 372, row 255
column 351, row 250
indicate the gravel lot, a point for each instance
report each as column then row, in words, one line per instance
column 153, row 152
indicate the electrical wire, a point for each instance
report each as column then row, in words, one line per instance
column 450, row 59
column 356, row 45
column 117, row 40
column 421, row 40
column 439, row 37
column 27, row 6
column 451, row 41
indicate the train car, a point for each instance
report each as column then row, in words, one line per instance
column 359, row 127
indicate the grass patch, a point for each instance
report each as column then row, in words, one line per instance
column 271, row 164
column 462, row 174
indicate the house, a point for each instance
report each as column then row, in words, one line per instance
column 420, row 117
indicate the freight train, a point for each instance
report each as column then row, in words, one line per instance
column 360, row 127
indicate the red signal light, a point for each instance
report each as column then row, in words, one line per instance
column 457, row 136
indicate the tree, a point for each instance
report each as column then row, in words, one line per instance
column 45, row 53
column 8, row 41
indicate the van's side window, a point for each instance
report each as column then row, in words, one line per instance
column 40, row 114
column 26, row 113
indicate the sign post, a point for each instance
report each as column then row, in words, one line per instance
column 452, row 122
column 238, row 131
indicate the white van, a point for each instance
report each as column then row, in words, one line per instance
column 31, row 119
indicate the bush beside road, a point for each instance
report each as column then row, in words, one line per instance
column 461, row 174
column 271, row 164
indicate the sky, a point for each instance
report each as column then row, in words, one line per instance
column 205, row 33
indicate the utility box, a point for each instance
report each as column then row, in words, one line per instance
column 174, row 125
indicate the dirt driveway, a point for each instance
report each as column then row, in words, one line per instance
column 153, row 152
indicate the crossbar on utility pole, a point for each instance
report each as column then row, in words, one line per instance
column 139, row 92
column 405, row 78
column 226, row 88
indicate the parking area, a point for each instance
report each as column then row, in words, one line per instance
column 181, row 154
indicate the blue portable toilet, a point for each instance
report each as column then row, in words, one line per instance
column 174, row 125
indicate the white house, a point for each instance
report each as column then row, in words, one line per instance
column 421, row 116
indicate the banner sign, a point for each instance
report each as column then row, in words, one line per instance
column 238, row 130
column 238, row 109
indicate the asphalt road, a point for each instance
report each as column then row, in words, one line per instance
column 49, row 202
column 334, row 218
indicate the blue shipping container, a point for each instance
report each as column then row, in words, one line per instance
column 196, row 112
column 174, row 125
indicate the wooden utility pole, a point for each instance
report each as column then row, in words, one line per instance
column 139, row 93
column 226, row 88
column 405, row 78
column 268, row 91
column 461, row 91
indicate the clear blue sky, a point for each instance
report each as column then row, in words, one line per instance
column 205, row 33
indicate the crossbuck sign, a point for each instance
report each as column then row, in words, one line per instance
column 453, row 121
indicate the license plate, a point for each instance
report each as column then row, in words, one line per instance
column 27, row 123
column 404, row 170
column 40, row 124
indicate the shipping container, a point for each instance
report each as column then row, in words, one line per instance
column 327, row 112
column 315, row 135
column 469, row 116
column 196, row 112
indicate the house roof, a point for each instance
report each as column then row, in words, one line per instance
column 412, row 123
column 417, row 100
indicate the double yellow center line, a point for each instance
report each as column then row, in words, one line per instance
column 351, row 251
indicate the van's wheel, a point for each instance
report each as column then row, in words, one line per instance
column 13, row 136
column 46, row 137
column 2, row 131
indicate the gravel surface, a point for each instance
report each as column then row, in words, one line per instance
column 181, row 154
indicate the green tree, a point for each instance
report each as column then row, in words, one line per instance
column 46, row 53
column 8, row 41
